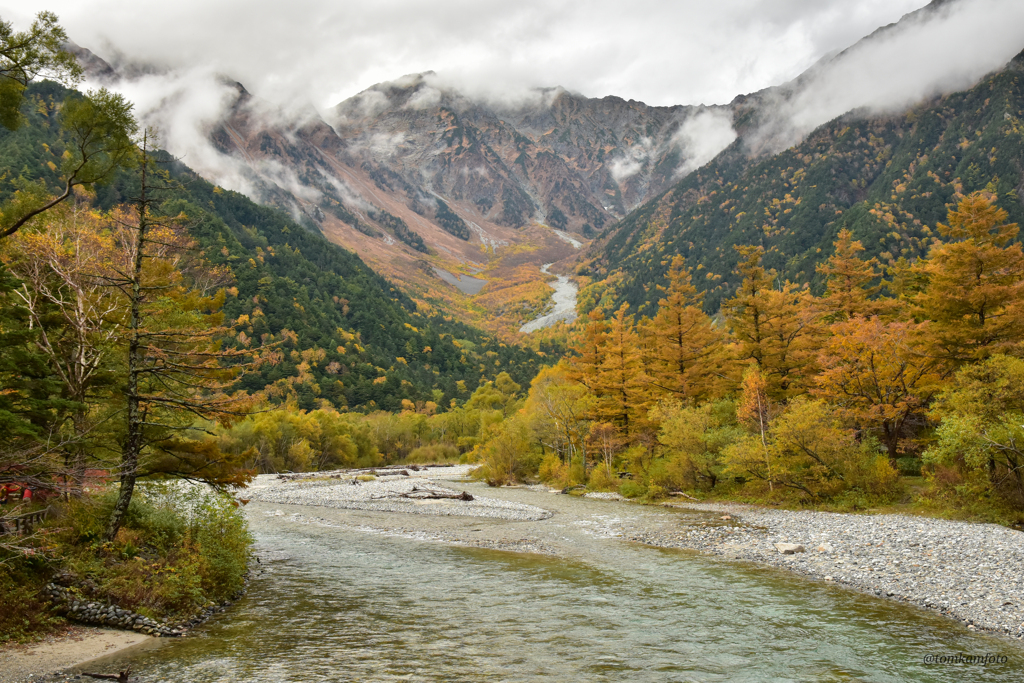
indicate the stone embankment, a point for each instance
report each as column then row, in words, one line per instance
column 69, row 604
column 970, row 572
column 100, row 614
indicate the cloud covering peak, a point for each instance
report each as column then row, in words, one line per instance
column 685, row 52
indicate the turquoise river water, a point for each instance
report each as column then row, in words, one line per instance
column 337, row 604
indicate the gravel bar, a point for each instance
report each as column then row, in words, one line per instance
column 970, row 572
column 393, row 493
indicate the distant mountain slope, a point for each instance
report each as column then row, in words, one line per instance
column 413, row 175
column 552, row 156
column 360, row 337
column 419, row 177
column 887, row 178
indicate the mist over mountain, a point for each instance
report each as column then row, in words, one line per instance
column 421, row 172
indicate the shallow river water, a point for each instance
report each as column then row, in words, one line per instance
column 333, row 603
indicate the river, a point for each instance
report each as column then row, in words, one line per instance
column 355, row 595
column 564, row 299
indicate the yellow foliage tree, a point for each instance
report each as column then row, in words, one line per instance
column 880, row 375
column 622, row 389
column 848, row 289
column 974, row 295
column 681, row 342
column 775, row 328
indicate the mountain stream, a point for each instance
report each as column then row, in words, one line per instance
column 346, row 595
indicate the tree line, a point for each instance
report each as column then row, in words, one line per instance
column 784, row 393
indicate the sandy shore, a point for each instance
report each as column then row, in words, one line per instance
column 65, row 652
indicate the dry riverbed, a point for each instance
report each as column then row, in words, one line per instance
column 970, row 572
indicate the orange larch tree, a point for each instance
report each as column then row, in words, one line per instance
column 974, row 296
column 622, row 390
column 881, row 375
column 681, row 341
column 848, row 289
column 776, row 328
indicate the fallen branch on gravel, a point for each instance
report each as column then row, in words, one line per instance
column 424, row 494
column 684, row 495
column 121, row 677
column 428, row 494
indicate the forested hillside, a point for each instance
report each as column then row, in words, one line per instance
column 887, row 178
column 347, row 334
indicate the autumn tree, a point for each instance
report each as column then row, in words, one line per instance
column 62, row 266
column 811, row 452
column 755, row 411
column 587, row 349
column 681, row 343
column 622, row 389
column 176, row 370
column 501, row 394
column 559, row 413
column 694, row 438
column 29, row 55
column 774, row 327
column 605, row 444
column 506, row 455
column 974, row 295
column 880, row 375
column 849, row 291
column 982, row 426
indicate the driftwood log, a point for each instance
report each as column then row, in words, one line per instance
column 430, row 494
column 385, row 471
column 122, row 677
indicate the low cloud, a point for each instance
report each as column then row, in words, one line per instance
column 702, row 137
column 316, row 53
column 632, row 160
column 933, row 53
column 685, row 52
column 184, row 107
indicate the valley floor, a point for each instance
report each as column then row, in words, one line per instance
column 970, row 572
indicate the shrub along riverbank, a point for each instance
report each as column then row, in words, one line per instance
column 179, row 549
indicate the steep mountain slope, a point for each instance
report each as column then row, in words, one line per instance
column 349, row 335
column 552, row 156
column 421, row 180
column 887, row 178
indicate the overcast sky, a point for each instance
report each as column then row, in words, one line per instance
column 322, row 51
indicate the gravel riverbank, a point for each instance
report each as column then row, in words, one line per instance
column 970, row 572
column 395, row 490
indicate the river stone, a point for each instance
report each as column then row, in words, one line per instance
column 825, row 548
column 789, row 548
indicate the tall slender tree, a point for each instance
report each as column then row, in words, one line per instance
column 588, row 348
column 176, row 371
column 623, row 390
column 681, row 341
column 776, row 328
column 849, row 291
